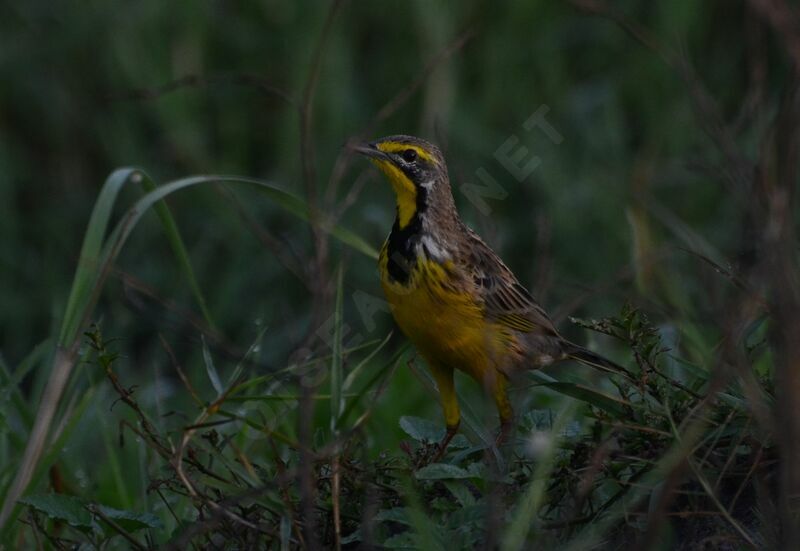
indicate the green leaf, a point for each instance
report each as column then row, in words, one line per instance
column 69, row 509
column 442, row 471
column 421, row 430
column 77, row 512
column 396, row 514
column 131, row 520
column 472, row 514
column 460, row 492
column 459, row 442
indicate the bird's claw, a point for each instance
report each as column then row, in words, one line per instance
column 503, row 436
column 451, row 432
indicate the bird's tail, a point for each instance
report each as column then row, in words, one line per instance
column 587, row 357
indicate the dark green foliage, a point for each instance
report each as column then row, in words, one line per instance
column 248, row 484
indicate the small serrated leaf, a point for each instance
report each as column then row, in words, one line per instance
column 131, row 520
column 396, row 514
column 421, row 430
column 78, row 512
column 460, row 492
column 69, row 509
column 442, row 471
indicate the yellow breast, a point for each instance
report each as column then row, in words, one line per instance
column 445, row 323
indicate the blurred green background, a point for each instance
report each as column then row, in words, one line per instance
column 599, row 222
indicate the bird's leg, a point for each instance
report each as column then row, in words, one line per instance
column 447, row 394
column 498, row 388
column 504, row 433
column 451, row 432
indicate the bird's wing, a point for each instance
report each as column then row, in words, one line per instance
column 505, row 299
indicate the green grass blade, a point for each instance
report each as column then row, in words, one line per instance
column 353, row 375
column 179, row 248
column 11, row 381
column 524, row 518
column 337, row 404
column 86, row 273
column 353, row 241
column 239, row 369
column 83, row 294
column 213, row 376
column 397, row 357
column 90, row 277
column 606, row 402
column 114, row 462
column 281, row 397
column 298, row 207
column 284, row 199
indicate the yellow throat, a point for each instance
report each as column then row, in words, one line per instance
column 404, row 189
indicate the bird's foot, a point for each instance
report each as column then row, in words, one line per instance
column 504, row 434
column 451, row 432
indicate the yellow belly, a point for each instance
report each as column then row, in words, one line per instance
column 447, row 326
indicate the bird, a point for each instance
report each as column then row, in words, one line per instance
column 451, row 294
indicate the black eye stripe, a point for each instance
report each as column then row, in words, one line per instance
column 409, row 155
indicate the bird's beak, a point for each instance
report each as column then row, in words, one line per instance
column 369, row 150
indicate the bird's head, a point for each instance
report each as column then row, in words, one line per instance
column 416, row 170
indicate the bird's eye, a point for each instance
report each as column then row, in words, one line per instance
column 409, row 155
